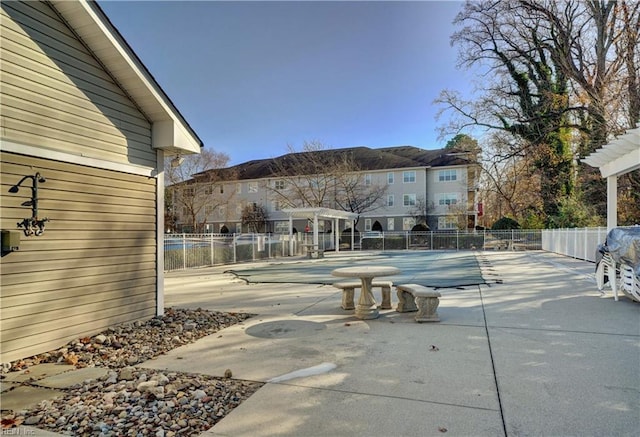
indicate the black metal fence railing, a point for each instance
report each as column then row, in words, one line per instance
column 184, row 251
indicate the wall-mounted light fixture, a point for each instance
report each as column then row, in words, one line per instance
column 32, row 225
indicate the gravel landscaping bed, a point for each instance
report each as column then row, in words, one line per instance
column 135, row 401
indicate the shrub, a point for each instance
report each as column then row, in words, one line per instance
column 505, row 223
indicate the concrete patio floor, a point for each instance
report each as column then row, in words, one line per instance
column 541, row 353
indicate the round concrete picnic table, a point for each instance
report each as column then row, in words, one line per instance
column 366, row 307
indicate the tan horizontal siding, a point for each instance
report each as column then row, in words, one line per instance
column 25, row 128
column 15, row 84
column 42, row 42
column 30, row 303
column 65, row 173
column 70, row 328
column 61, row 276
column 22, row 317
column 105, row 253
column 26, row 40
column 14, row 273
column 94, row 266
column 72, row 283
column 55, row 93
column 47, row 244
column 55, row 118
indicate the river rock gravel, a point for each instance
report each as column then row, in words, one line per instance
column 132, row 401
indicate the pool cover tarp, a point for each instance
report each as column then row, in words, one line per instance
column 431, row 269
column 624, row 246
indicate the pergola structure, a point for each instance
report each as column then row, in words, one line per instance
column 316, row 213
column 620, row 156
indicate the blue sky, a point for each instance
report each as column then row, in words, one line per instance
column 252, row 78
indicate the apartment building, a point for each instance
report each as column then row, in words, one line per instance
column 392, row 189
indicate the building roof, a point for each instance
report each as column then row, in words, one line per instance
column 170, row 131
column 620, row 156
column 367, row 158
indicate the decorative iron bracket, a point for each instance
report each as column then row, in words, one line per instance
column 32, row 225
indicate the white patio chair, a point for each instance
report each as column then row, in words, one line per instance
column 607, row 267
column 629, row 282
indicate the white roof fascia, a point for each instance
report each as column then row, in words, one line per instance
column 320, row 212
column 170, row 131
column 620, row 156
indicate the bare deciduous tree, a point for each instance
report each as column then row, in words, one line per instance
column 195, row 189
column 255, row 217
column 321, row 177
column 421, row 210
column 528, row 95
column 560, row 75
column 511, row 185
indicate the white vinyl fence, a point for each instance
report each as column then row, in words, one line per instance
column 579, row 243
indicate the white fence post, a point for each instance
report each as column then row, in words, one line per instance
column 184, row 251
column 235, row 245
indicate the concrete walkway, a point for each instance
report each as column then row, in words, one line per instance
column 539, row 354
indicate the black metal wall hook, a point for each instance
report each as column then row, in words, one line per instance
column 32, row 225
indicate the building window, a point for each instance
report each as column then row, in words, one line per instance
column 279, row 184
column 390, row 200
column 281, row 227
column 408, row 223
column 221, row 189
column 367, row 225
column 448, row 199
column 447, row 175
column 239, row 187
column 409, row 200
column 391, row 224
column 447, row 222
column 390, row 178
column 253, row 187
column 277, row 205
column 367, row 179
column 409, row 177
column 208, row 210
column 189, row 192
column 208, row 189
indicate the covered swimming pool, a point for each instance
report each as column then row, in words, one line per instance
column 438, row 269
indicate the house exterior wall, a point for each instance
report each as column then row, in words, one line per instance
column 95, row 264
column 56, row 95
column 64, row 117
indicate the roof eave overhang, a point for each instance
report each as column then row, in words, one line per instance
column 620, row 156
column 170, row 131
column 320, row 212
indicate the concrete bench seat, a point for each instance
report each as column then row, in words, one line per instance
column 415, row 297
column 313, row 249
column 348, row 289
column 318, row 252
